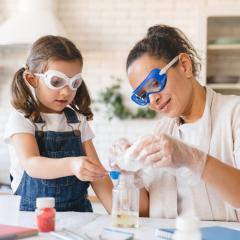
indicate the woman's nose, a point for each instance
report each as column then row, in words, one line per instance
column 154, row 98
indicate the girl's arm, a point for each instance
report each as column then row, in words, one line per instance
column 49, row 168
column 223, row 179
column 103, row 186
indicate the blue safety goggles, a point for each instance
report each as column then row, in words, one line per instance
column 153, row 83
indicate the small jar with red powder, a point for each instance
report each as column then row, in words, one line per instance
column 45, row 214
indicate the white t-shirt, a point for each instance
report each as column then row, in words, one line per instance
column 17, row 123
column 217, row 133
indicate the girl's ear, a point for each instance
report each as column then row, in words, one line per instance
column 31, row 79
column 186, row 64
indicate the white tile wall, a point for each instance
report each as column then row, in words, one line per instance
column 10, row 60
column 105, row 31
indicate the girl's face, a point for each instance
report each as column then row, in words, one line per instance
column 175, row 99
column 54, row 101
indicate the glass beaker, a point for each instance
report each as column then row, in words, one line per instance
column 125, row 202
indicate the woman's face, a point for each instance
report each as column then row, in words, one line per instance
column 175, row 99
column 54, row 101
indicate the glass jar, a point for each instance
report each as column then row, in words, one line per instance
column 125, row 202
column 45, row 214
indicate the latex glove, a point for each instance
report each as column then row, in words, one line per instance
column 165, row 151
column 139, row 178
column 120, row 157
column 116, row 153
column 123, row 155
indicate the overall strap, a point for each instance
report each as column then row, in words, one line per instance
column 39, row 130
column 39, row 120
column 71, row 115
column 72, row 119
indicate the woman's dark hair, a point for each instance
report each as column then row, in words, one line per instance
column 44, row 50
column 165, row 42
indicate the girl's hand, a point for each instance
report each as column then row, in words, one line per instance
column 85, row 169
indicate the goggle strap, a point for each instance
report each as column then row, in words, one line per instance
column 38, row 74
column 164, row 70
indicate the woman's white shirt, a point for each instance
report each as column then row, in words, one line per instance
column 217, row 133
column 17, row 123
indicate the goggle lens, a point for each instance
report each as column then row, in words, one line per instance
column 76, row 83
column 57, row 82
column 153, row 86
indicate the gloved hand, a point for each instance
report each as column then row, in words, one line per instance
column 165, row 151
column 116, row 153
column 121, row 157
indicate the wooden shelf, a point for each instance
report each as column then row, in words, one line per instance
column 223, row 47
column 224, row 85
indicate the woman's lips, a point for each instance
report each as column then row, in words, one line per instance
column 164, row 107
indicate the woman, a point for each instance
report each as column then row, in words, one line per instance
column 199, row 129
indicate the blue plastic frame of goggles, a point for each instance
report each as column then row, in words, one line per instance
column 157, row 74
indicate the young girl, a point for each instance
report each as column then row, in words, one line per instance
column 198, row 129
column 51, row 151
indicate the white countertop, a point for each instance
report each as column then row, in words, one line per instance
column 93, row 224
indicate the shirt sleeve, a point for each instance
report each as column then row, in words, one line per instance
column 17, row 123
column 236, row 133
column 86, row 131
column 237, row 148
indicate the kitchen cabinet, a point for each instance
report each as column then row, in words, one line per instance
column 222, row 64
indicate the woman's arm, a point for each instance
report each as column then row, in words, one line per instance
column 49, row 168
column 144, row 203
column 166, row 151
column 103, row 186
column 223, row 179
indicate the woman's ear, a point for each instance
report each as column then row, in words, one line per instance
column 31, row 79
column 186, row 64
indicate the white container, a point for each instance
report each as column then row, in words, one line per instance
column 187, row 228
column 9, row 209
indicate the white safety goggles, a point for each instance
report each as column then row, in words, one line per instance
column 56, row 80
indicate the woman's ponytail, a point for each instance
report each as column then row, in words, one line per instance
column 165, row 42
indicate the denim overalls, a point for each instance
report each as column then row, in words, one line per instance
column 69, row 192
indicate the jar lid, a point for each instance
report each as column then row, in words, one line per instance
column 187, row 223
column 114, row 175
column 45, row 202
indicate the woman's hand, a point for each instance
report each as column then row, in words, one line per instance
column 86, row 169
column 117, row 151
column 166, row 151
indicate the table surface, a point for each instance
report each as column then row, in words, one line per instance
column 93, row 224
